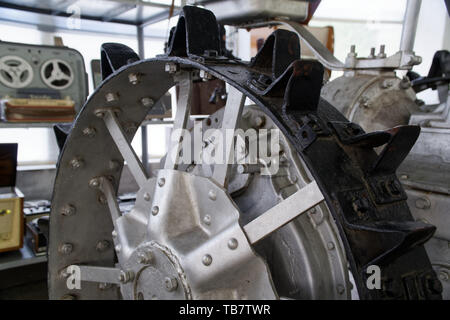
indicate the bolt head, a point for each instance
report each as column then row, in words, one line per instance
column 161, row 182
column 76, row 163
column 89, row 132
column 133, row 78
column 111, row 97
column 233, row 243
column 118, row 248
column 207, row 259
column 147, row 102
column 155, row 210
column 68, row 210
column 114, row 233
column 147, row 196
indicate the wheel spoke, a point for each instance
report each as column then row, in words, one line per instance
column 125, row 148
column 231, row 116
column 97, row 274
column 181, row 119
column 107, row 188
column 281, row 214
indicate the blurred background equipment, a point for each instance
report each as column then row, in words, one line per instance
column 41, row 83
column 11, row 201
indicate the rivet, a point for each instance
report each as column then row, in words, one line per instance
column 147, row 102
column 111, row 97
column 145, row 257
column 68, row 210
column 76, row 163
column 207, row 219
column 207, row 260
column 94, row 183
column 147, row 196
column 171, row 284
column 161, row 182
column 404, row 176
column 114, row 233
column 66, row 248
column 155, row 210
column 89, row 132
column 118, row 248
column 232, row 243
column 102, row 245
column 330, row 245
column 212, row 195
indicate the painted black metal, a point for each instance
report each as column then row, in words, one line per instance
column 280, row 49
column 114, row 56
column 439, row 73
column 196, row 34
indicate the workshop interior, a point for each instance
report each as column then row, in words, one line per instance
column 224, row 149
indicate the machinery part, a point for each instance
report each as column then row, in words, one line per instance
column 438, row 77
column 184, row 235
column 375, row 101
column 378, row 100
column 57, row 74
column 410, row 25
column 404, row 59
column 15, row 72
column 239, row 12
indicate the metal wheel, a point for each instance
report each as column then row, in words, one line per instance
column 219, row 230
